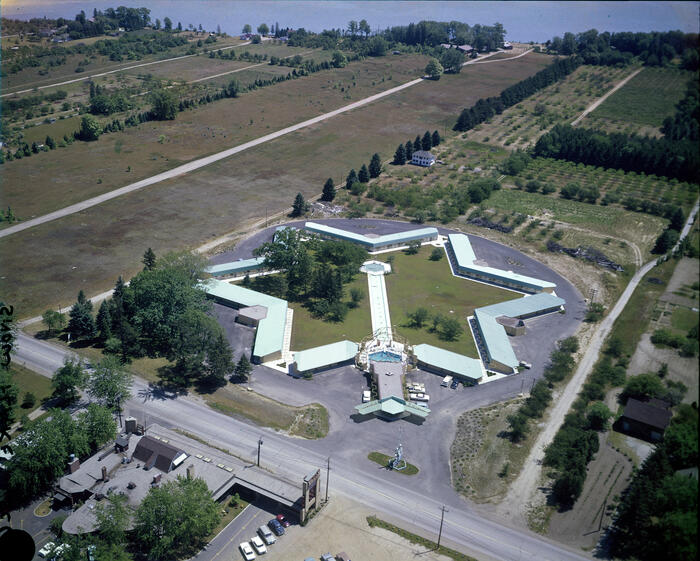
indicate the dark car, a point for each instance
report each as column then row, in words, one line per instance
column 276, row 527
column 454, row 384
column 283, row 520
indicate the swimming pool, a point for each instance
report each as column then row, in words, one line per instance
column 384, row 356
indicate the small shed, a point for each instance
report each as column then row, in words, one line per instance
column 423, row 158
column 645, row 419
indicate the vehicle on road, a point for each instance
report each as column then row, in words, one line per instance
column 267, row 536
column 525, row 365
column 446, row 381
column 454, row 384
column 283, row 520
column 48, row 548
column 276, row 527
column 259, row 546
column 247, row 551
column 366, row 396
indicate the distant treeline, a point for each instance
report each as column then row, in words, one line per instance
column 484, row 109
column 32, row 100
column 629, row 152
column 686, row 122
column 653, row 48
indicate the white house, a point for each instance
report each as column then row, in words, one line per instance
column 423, row 158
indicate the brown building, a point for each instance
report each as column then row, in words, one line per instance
column 645, row 419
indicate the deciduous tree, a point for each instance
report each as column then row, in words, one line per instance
column 434, row 69
column 68, row 380
column 110, row 382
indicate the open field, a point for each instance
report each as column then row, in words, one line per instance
column 108, row 240
column 308, row 332
column 418, row 282
column 642, row 104
column 521, row 125
column 29, row 382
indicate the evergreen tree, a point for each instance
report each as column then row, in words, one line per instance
column 409, row 151
column 328, row 190
column 243, row 368
column 436, row 138
column 149, row 259
column 351, row 179
column 104, row 321
column 417, row 144
column 677, row 220
column 400, row 155
column 427, row 142
column 50, row 142
column 375, row 166
column 299, row 205
column 81, row 324
column 363, row 176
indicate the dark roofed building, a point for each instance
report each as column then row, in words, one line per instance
column 645, row 419
column 155, row 452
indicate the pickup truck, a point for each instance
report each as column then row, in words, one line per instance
column 446, row 381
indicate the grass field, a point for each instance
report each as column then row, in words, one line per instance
column 684, row 319
column 419, row 282
column 29, row 382
column 521, row 125
column 643, row 103
column 90, row 249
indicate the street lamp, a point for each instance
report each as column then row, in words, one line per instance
column 260, row 443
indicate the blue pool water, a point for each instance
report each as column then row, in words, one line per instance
column 383, row 356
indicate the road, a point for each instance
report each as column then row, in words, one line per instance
column 596, row 103
column 202, row 162
column 523, row 487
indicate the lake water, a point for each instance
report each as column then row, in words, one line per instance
column 523, row 21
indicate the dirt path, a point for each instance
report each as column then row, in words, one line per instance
column 526, row 484
column 596, row 103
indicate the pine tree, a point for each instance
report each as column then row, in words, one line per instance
column 375, row 166
column 417, row 144
column 50, row 142
column 243, row 369
column 81, row 324
column 363, row 176
column 328, row 190
column 409, row 151
column 436, row 138
column 104, row 321
column 299, row 205
column 351, row 179
column 149, row 259
column 427, row 142
column 400, row 155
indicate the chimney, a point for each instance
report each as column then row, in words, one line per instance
column 74, row 465
column 130, row 425
column 190, row 471
column 104, row 473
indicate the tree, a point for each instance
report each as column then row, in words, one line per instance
column 351, row 179
column 356, row 296
column 642, row 386
column 518, row 426
column 595, row 312
column 104, row 321
column 175, row 518
column 179, row 26
column 90, row 128
column 413, row 247
column 400, row 155
column 113, row 519
column 352, row 27
column 434, row 69
column 568, row 345
column 219, row 360
column 567, row 487
column 8, row 399
column 53, row 320
column 338, row 60
column 263, row 29
column 149, row 259
column 363, row 27
column 436, row 254
column 409, row 150
column 427, row 142
column 299, row 205
column 665, row 241
column 375, row 166
column 450, row 329
column 97, row 424
column 247, row 29
column 164, row 105
column 436, row 138
column 81, row 324
column 328, row 190
column 68, row 380
column 419, row 317
column 233, row 89
column 452, row 60
column 598, row 415
column 243, row 369
column 157, row 24
column 50, row 142
column 110, row 382
column 377, row 46
column 363, row 176
column 167, row 24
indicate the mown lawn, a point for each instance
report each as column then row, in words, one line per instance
column 29, row 382
column 684, row 319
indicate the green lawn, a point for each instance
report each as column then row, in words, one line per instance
column 684, row 319
column 419, row 282
column 28, row 381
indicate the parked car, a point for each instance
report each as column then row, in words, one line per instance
column 327, row 557
column 454, row 384
column 276, row 527
column 247, row 551
column 446, row 381
column 366, row 396
column 91, row 552
column 267, row 536
column 48, row 548
column 259, row 546
column 282, row 520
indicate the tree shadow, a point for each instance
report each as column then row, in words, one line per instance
column 173, row 380
column 157, row 392
column 208, row 385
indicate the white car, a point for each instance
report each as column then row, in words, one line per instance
column 48, row 548
column 366, row 396
column 419, row 396
column 247, row 551
column 58, row 552
column 258, row 545
column 267, row 536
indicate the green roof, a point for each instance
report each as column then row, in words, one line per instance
column 391, row 406
column 465, row 257
column 372, row 243
column 325, row 355
column 458, row 364
column 269, row 336
column 525, row 306
column 495, row 339
column 232, row 267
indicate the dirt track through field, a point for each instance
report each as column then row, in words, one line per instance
column 596, row 103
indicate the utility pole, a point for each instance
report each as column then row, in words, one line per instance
column 328, row 476
column 442, row 519
column 260, row 443
column 119, row 412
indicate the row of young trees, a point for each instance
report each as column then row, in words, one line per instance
column 404, row 152
column 484, row 109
